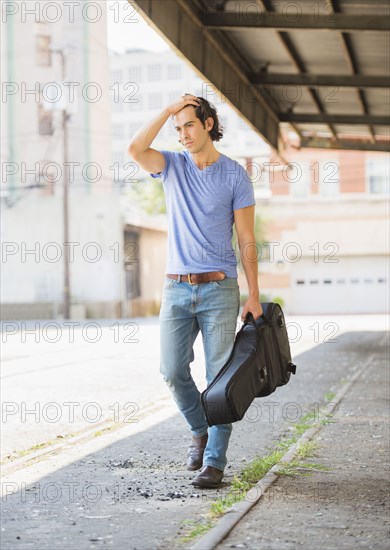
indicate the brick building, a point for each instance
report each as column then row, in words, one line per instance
column 327, row 230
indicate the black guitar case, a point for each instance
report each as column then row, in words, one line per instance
column 259, row 363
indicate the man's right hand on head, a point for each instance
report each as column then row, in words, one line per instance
column 186, row 99
column 140, row 149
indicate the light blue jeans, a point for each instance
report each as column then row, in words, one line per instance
column 211, row 308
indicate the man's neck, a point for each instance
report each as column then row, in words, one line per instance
column 205, row 158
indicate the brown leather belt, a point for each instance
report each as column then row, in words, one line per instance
column 198, row 278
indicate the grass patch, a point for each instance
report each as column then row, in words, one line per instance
column 240, row 486
column 307, row 449
column 309, row 417
column 36, row 447
column 328, row 420
column 104, row 430
column 297, row 467
column 197, row 529
column 329, row 396
column 301, row 428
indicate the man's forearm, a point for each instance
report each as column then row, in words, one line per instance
column 145, row 136
column 249, row 263
column 251, row 272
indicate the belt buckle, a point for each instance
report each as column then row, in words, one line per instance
column 189, row 279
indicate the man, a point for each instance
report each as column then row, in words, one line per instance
column 206, row 192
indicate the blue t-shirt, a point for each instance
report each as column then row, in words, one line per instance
column 200, row 205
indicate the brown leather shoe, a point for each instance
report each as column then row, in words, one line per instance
column 209, row 477
column 195, row 452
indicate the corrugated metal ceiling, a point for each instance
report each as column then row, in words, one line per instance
column 285, row 41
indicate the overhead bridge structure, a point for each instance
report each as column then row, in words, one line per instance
column 318, row 68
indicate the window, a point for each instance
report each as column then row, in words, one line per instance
column 116, row 76
column 117, row 131
column 154, row 72
column 329, row 178
column 172, row 96
column 117, row 106
column 133, row 127
column 298, row 177
column 45, row 122
column 155, row 101
column 174, row 71
column 43, row 42
column 43, row 51
column 135, row 74
column 119, row 157
column 377, row 176
column 135, row 104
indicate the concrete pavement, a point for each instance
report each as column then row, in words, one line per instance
column 129, row 488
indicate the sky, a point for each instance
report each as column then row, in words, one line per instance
column 126, row 29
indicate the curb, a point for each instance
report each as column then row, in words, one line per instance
column 234, row 514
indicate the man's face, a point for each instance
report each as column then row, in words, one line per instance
column 190, row 130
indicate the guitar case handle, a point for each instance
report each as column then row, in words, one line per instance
column 250, row 319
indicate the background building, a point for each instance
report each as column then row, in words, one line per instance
column 33, row 155
column 327, row 227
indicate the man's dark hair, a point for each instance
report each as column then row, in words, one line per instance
column 206, row 110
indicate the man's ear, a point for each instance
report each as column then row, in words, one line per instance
column 209, row 123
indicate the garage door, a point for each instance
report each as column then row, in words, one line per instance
column 350, row 285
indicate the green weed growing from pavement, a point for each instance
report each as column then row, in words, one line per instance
column 306, row 449
column 296, row 467
column 36, row 447
column 329, row 396
column 256, row 470
column 248, row 477
column 197, row 529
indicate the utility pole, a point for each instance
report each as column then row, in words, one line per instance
column 65, row 190
column 65, row 199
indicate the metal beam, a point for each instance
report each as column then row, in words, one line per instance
column 352, row 61
column 354, row 145
column 347, row 81
column 296, row 58
column 334, row 119
column 214, row 59
column 292, row 21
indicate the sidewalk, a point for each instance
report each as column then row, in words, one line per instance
column 345, row 506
